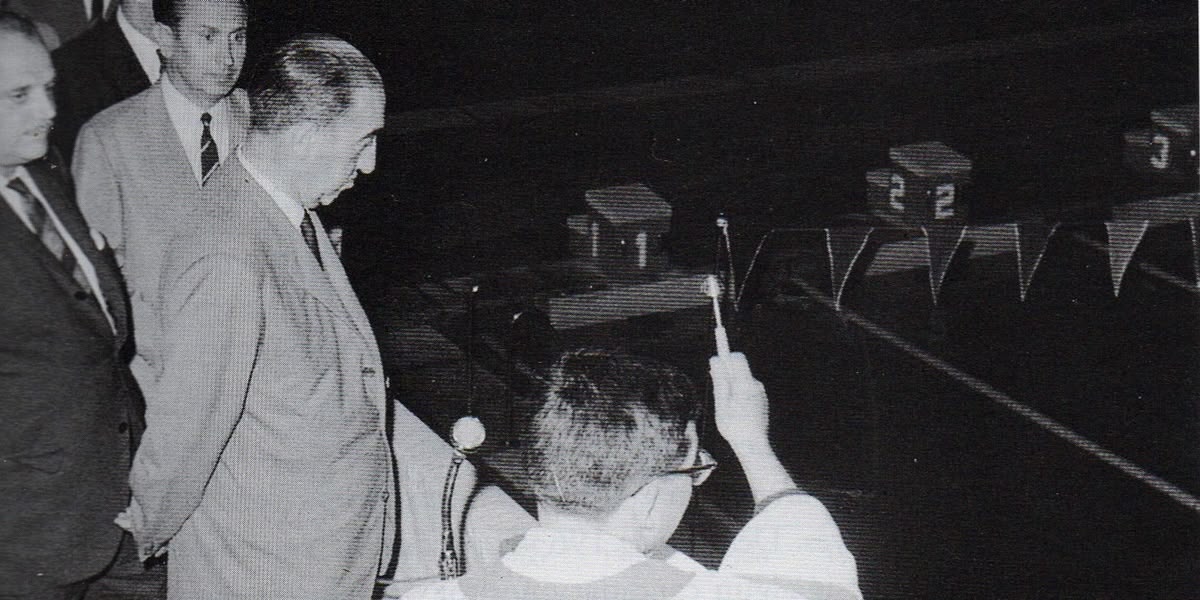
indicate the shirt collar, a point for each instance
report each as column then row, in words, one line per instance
column 185, row 116
column 180, row 107
column 292, row 209
column 23, row 174
column 144, row 49
column 18, row 173
column 578, row 555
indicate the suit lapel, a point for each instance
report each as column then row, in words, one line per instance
column 239, row 119
column 57, row 193
column 162, row 146
column 284, row 238
column 336, row 275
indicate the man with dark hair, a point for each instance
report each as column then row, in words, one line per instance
column 613, row 457
column 140, row 165
column 266, row 463
column 68, row 403
column 111, row 61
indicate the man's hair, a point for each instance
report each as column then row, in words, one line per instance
column 609, row 423
column 170, row 12
column 311, row 78
column 13, row 22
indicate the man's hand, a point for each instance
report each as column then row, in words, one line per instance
column 741, row 414
column 132, row 520
column 740, row 402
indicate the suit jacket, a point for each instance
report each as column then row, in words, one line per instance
column 95, row 71
column 67, row 403
column 266, row 460
column 135, row 185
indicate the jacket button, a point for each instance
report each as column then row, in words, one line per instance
column 123, row 427
column 81, row 295
column 368, row 371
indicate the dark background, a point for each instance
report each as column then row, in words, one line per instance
column 448, row 53
column 502, row 114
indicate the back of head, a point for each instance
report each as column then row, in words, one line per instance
column 12, row 23
column 312, row 78
column 608, row 424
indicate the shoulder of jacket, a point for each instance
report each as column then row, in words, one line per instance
column 124, row 114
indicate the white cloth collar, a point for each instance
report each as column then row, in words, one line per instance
column 143, row 47
column 579, row 555
column 292, row 209
column 185, row 116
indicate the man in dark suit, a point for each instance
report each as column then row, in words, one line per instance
column 68, row 403
column 111, row 61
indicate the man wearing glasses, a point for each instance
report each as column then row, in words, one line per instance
column 613, row 456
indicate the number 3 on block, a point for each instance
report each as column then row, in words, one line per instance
column 943, row 202
column 896, row 193
column 1161, row 158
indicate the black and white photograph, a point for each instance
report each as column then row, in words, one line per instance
column 457, row 300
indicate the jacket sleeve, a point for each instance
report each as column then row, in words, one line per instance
column 213, row 318
column 98, row 192
column 795, row 544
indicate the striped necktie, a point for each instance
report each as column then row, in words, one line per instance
column 209, row 157
column 310, row 237
column 45, row 230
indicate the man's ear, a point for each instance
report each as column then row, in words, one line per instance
column 302, row 138
column 693, row 438
column 639, row 507
column 164, row 36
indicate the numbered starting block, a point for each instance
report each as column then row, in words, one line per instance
column 622, row 232
column 923, row 186
column 1166, row 150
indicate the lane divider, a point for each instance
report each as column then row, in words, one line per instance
column 1038, row 418
column 1145, row 267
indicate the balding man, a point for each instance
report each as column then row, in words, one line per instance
column 266, row 464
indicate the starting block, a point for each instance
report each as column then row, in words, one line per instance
column 923, row 186
column 1166, row 150
column 622, row 232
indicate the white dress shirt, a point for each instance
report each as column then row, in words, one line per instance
column 186, row 118
column 87, row 8
column 144, row 48
column 18, row 206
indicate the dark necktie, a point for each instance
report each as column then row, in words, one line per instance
column 310, row 237
column 209, row 157
column 97, row 11
column 45, row 230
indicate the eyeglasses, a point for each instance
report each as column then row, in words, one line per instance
column 699, row 472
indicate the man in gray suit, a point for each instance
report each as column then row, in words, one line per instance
column 266, row 463
column 139, row 166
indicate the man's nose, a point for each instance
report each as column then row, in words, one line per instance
column 366, row 161
column 45, row 108
column 229, row 55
